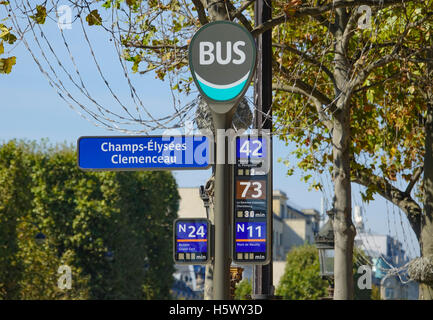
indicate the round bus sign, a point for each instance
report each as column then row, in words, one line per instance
column 222, row 58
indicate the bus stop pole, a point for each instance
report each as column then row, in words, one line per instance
column 222, row 216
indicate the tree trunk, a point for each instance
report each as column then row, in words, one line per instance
column 344, row 231
column 426, row 240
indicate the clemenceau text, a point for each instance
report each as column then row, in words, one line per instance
column 151, row 146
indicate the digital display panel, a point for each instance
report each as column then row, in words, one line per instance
column 191, row 241
column 252, row 205
column 250, row 236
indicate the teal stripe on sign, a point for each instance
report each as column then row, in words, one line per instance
column 222, row 94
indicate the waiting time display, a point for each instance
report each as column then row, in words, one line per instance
column 251, row 205
column 191, row 241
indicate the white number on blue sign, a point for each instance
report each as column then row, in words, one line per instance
column 251, row 148
column 196, row 232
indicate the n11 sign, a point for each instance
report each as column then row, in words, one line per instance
column 250, row 237
column 191, row 241
column 144, row 153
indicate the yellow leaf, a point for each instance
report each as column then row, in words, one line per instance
column 93, row 18
column 4, row 30
column 2, row 48
column 7, row 64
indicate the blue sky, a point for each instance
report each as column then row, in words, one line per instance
column 31, row 109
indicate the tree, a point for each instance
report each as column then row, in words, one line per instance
column 113, row 230
column 387, row 136
column 396, row 108
column 243, row 290
column 301, row 279
column 28, row 270
column 326, row 71
column 15, row 203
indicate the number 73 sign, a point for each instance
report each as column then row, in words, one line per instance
column 250, row 189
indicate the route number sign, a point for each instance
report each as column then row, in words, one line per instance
column 191, row 241
column 251, row 225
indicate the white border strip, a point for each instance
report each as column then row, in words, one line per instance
column 222, row 86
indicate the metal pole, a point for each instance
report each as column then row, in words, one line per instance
column 221, row 281
column 262, row 282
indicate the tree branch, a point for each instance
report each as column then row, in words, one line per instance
column 313, row 92
column 394, row 55
column 320, row 9
column 200, row 12
column 320, row 111
column 349, row 30
column 307, row 58
column 238, row 14
column 243, row 7
column 138, row 45
column 365, row 72
column 392, row 76
column 400, row 198
column 414, row 179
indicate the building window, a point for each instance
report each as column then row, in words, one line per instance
column 282, row 211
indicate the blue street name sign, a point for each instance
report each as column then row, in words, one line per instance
column 123, row 153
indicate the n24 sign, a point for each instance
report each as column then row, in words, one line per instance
column 192, row 230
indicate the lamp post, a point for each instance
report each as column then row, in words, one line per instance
column 40, row 238
column 109, row 256
column 324, row 241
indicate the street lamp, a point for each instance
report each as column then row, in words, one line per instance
column 325, row 244
column 109, row 256
column 40, row 238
